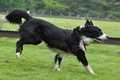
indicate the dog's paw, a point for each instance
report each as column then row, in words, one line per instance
column 18, row 54
column 58, row 69
column 94, row 73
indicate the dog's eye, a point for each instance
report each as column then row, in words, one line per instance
column 82, row 28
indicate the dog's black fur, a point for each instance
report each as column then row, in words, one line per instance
column 62, row 41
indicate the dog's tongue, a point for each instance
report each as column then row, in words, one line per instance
column 85, row 47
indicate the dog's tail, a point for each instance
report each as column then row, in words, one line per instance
column 16, row 15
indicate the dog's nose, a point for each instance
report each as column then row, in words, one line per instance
column 107, row 37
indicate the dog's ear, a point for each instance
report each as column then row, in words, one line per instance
column 87, row 21
column 76, row 33
column 91, row 23
column 87, row 24
column 77, row 30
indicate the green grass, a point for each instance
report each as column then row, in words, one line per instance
column 37, row 62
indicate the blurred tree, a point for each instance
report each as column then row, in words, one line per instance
column 12, row 4
column 113, row 9
column 54, row 5
column 110, row 8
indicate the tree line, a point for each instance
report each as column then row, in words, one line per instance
column 110, row 8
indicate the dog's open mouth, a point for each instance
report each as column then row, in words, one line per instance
column 99, row 40
column 85, row 47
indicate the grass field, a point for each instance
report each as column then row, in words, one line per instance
column 37, row 62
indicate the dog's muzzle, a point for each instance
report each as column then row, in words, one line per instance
column 102, row 38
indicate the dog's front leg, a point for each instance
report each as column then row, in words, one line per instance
column 89, row 69
column 82, row 58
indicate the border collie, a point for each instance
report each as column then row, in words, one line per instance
column 62, row 41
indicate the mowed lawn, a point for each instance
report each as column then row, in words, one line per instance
column 37, row 62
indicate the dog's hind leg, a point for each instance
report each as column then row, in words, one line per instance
column 19, row 48
column 21, row 42
column 58, row 59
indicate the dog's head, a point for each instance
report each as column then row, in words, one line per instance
column 88, row 33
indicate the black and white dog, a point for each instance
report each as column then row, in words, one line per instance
column 64, row 42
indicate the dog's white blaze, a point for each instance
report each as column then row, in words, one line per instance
column 18, row 54
column 89, row 69
column 103, row 37
column 87, row 40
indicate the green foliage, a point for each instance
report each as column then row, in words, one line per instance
column 12, row 4
column 108, row 8
column 54, row 5
column 33, row 5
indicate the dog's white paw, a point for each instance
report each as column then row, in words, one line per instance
column 58, row 69
column 94, row 73
column 18, row 54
